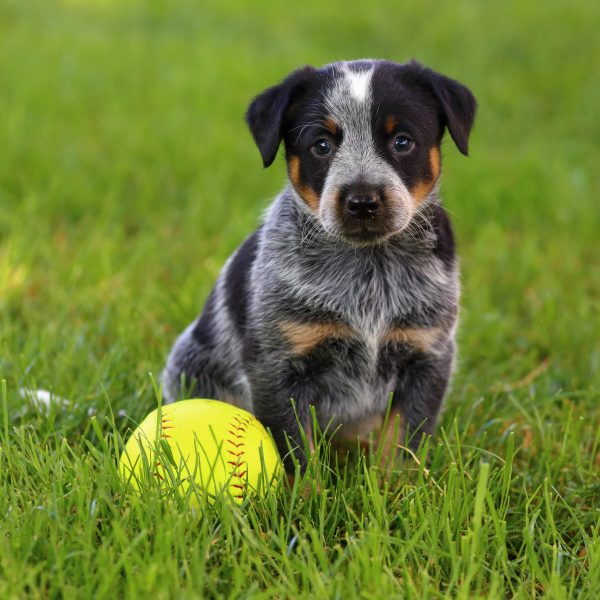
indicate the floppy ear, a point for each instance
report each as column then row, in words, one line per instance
column 457, row 103
column 266, row 112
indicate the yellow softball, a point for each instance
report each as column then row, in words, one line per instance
column 222, row 448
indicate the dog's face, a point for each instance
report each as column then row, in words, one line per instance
column 362, row 140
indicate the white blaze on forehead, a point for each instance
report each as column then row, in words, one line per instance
column 359, row 82
column 349, row 101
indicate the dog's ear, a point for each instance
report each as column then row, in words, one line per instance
column 456, row 102
column 266, row 112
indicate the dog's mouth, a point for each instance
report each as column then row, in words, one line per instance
column 361, row 221
column 365, row 235
column 371, row 230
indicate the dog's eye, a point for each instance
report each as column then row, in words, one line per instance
column 402, row 144
column 322, row 147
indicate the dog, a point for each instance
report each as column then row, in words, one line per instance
column 346, row 297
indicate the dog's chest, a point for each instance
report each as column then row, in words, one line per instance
column 371, row 290
column 349, row 312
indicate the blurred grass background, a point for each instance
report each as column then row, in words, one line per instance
column 127, row 176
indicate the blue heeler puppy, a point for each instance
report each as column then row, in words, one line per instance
column 348, row 292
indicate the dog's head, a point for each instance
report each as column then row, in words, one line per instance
column 362, row 140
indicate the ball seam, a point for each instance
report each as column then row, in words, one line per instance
column 237, row 429
column 164, row 424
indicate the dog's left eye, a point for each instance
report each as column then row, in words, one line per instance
column 402, row 144
column 322, row 147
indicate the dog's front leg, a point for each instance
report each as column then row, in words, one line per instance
column 418, row 396
column 282, row 404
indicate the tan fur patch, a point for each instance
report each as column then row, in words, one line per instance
column 294, row 170
column 310, row 197
column 390, row 124
column 421, row 338
column 421, row 189
column 331, row 126
column 303, row 337
column 435, row 162
column 306, row 192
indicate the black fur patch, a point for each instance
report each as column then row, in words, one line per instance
column 445, row 246
column 422, row 383
column 265, row 115
column 236, row 282
column 203, row 331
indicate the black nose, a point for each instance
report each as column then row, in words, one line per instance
column 363, row 203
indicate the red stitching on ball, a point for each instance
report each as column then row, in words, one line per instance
column 237, row 430
column 235, row 453
column 164, row 424
column 238, row 445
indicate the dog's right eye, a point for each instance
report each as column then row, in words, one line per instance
column 322, row 147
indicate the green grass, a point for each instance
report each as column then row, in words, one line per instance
column 126, row 179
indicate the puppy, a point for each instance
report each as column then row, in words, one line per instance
column 346, row 297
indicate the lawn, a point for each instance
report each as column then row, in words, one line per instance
column 127, row 176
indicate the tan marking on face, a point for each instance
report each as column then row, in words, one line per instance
column 310, row 197
column 306, row 192
column 331, row 126
column 303, row 337
column 390, row 124
column 294, row 170
column 435, row 162
column 421, row 189
column 422, row 339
